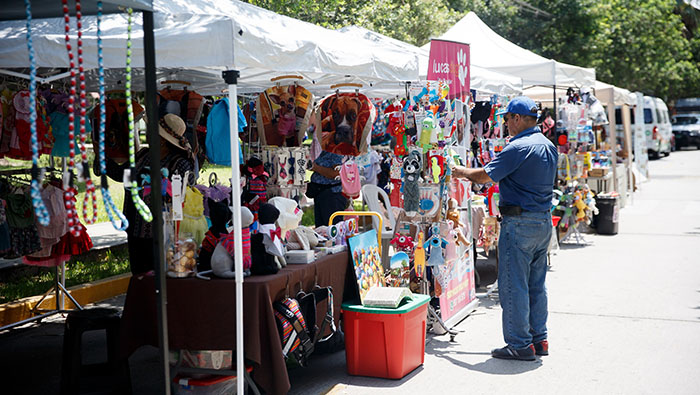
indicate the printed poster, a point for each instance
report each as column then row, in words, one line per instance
column 283, row 114
column 346, row 123
column 367, row 261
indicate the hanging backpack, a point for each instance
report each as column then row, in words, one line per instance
column 308, row 304
column 296, row 342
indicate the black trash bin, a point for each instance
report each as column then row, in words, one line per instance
column 606, row 222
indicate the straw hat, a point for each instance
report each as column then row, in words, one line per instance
column 172, row 128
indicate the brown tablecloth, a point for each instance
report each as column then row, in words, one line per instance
column 202, row 314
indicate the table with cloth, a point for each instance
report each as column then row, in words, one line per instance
column 202, row 314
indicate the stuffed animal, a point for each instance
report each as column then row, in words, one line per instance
column 302, row 238
column 266, row 246
column 289, row 214
column 435, row 244
column 452, row 213
column 419, row 256
column 223, row 255
column 219, row 214
column 412, row 167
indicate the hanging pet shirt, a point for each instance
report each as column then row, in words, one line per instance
column 350, row 179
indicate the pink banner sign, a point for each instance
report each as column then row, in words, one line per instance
column 449, row 62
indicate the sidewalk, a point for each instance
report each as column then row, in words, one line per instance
column 624, row 318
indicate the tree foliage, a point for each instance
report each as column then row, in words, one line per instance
column 652, row 46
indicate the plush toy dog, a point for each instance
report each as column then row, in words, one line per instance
column 222, row 257
column 266, row 245
column 412, row 167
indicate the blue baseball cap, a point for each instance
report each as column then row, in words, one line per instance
column 522, row 105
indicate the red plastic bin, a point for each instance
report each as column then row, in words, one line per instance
column 387, row 343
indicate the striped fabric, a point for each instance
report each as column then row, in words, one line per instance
column 287, row 329
column 228, row 242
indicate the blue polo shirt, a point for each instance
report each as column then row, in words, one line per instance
column 526, row 171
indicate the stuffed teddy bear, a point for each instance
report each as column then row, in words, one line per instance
column 222, row 256
column 412, row 167
column 302, row 238
column 453, row 213
column 267, row 250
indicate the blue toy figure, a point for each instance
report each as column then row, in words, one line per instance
column 434, row 245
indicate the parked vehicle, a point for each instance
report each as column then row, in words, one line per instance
column 686, row 130
column 657, row 127
column 688, row 105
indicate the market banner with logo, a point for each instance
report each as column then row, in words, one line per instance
column 449, row 62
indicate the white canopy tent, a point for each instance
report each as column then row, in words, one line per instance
column 495, row 53
column 482, row 80
column 198, row 37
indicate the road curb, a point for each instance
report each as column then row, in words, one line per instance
column 87, row 293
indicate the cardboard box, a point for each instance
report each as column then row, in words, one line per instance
column 598, row 172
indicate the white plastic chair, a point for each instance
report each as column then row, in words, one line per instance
column 370, row 195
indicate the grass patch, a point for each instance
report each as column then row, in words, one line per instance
column 116, row 189
column 25, row 281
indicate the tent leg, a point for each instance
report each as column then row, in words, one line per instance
column 231, row 78
column 156, row 198
column 554, row 105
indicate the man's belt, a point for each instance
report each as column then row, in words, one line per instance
column 510, row 210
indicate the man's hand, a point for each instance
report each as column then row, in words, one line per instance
column 478, row 176
column 325, row 171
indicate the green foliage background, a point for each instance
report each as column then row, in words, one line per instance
column 642, row 45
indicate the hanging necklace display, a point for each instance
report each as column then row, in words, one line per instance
column 83, row 167
column 40, row 210
column 110, row 207
column 130, row 178
column 69, row 189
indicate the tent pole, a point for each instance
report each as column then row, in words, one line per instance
column 231, row 78
column 554, row 105
column 612, row 140
column 149, row 50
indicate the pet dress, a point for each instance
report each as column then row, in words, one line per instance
column 350, row 179
column 194, row 223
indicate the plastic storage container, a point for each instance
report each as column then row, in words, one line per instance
column 606, row 222
column 211, row 385
column 387, row 343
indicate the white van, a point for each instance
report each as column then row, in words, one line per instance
column 657, row 127
column 665, row 127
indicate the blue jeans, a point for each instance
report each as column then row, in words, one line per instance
column 522, row 267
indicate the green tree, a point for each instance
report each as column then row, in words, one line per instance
column 640, row 46
column 412, row 21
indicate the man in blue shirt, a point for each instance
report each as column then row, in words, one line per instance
column 525, row 171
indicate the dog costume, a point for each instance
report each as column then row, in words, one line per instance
column 222, row 263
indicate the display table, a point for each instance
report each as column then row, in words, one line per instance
column 202, row 314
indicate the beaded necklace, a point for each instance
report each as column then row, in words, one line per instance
column 140, row 205
column 40, row 210
column 110, row 207
column 69, row 189
column 84, row 167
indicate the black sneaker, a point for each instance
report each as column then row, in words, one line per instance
column 508, row 352
column 542, row 348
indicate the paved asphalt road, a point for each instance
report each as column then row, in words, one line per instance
column 624, row 319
